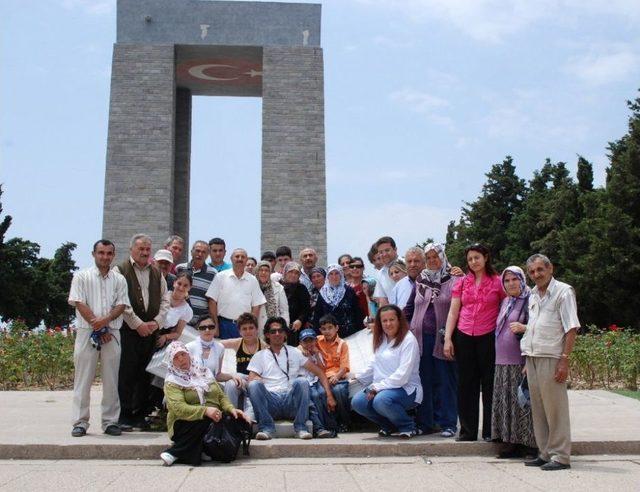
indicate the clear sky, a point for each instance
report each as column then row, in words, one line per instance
column 421, row 97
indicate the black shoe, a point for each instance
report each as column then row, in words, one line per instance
column 384, row 433
column 555, row 465
column 462, row 438
column 510, row 452
column 113, row 430
column 79, row 431
column 537, row 462
column 141, row 425
column 343, row 429
column 487, row 439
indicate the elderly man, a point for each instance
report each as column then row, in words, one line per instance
column 217, row 250
column 149, row 304
column 175, row 244
column 163, row 259
column 547, row 343
column 308, row 260
column 416, row 262
column 99, row 295
column 202, row 275
column 233, row 292
column 388, row 252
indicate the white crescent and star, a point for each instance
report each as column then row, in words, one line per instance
column 198, row 72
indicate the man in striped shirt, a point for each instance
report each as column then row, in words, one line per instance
column 100, row 296
column 202, row 275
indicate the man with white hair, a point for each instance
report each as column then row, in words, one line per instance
column 547, row 343
column 174, row 244
column 146, row 314
column 416, row 262
column 233, row 292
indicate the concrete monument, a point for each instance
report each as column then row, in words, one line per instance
column 169, row 50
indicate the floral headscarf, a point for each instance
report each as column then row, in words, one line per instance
column 267, row 290
column 525, row 291
column 333, row 294
column 197, row 377
column 433, row 279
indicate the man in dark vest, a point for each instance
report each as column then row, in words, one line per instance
column 149, row 305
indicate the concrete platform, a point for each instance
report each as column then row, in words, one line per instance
column 37, row 426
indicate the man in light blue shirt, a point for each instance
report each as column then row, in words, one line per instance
column 217, row 250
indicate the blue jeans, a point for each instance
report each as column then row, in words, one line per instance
column 269, row 406
column 446, row 409
column 388, row 409
column 318, row 412
column 228, row 328
column 343, row 408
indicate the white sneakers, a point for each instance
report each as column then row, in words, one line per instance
column 167, row 458
column 303, row 434
column 263, row 436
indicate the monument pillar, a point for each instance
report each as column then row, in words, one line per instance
column 139, row 184
column 293, row 164
column 182, row 167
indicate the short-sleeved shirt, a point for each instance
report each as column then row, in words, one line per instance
column 480, row 303
column 334, row 354
column 222, row 267
column 401, row 292
column 384, row 284
column 235, row 295
column 177, row 313
column 550, row 318
column 101, row 293
column 277, row 371
column 201, row 280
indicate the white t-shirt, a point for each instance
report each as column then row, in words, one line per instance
column 176, row 313
column 401, row 292
column 235, row 295
column 215, row 354
column 384, row 284
column 278, row 371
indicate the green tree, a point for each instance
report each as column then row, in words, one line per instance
column 59, row 273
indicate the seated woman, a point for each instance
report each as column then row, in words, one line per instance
column 245, row 348
column 340, row 300
column 211, row 352
column 392, row 378
column 194, row 399
column 511, row 424
column 273, row 291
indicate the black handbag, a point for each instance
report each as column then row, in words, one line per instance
column 223, row 439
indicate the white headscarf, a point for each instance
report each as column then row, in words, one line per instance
column 197, row 377
column 434, row 278
column 333, row 294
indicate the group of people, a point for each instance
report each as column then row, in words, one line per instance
column 443, row 340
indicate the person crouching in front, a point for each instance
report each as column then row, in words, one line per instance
column 194, row 399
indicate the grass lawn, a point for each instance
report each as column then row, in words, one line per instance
column 629, row 393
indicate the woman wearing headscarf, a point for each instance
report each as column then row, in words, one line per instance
column 273, row 291
column 194, row 399
column 340, row 300
column 317, row 277
column 511, row 424
column 426, row 311
column 298, row 299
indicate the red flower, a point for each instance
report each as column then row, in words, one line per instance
column 614, row 328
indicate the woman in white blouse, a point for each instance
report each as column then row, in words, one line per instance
column 211, row 352
column 179, row 314
column 392, row 379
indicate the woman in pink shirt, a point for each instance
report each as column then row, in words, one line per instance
column 475, row 303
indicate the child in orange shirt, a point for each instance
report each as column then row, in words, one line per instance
column 335, row 354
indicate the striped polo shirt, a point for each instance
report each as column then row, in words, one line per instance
column 201, row 280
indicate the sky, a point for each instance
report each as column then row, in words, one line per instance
column 421, row 98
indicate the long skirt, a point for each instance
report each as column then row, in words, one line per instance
column 509, row 422
column 187, row 440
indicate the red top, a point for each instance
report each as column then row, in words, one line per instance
column 480, row 304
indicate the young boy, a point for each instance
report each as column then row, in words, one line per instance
column 324, row 424
column 335, row 355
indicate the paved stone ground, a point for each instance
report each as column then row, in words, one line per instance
column 37, row 426
column 603, row 473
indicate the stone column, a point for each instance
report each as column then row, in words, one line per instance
column 182, row 170
column 293, row 167
column 140, row 148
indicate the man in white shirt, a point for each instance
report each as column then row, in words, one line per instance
column 416, row 262
column 385, row 284
column 233, row 292
column 99, row 295
column 547, row 343
column 275, row 389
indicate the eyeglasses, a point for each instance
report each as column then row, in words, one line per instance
column 206, row 327
column 274, row 331
column 356, row 266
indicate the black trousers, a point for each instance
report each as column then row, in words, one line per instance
column 134, row 382
column 187, row 440
column 476, row 357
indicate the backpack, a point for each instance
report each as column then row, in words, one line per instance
column 222, row 440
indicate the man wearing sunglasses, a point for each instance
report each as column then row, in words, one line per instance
column 275, row 389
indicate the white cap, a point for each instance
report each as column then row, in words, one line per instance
column 163, row 254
